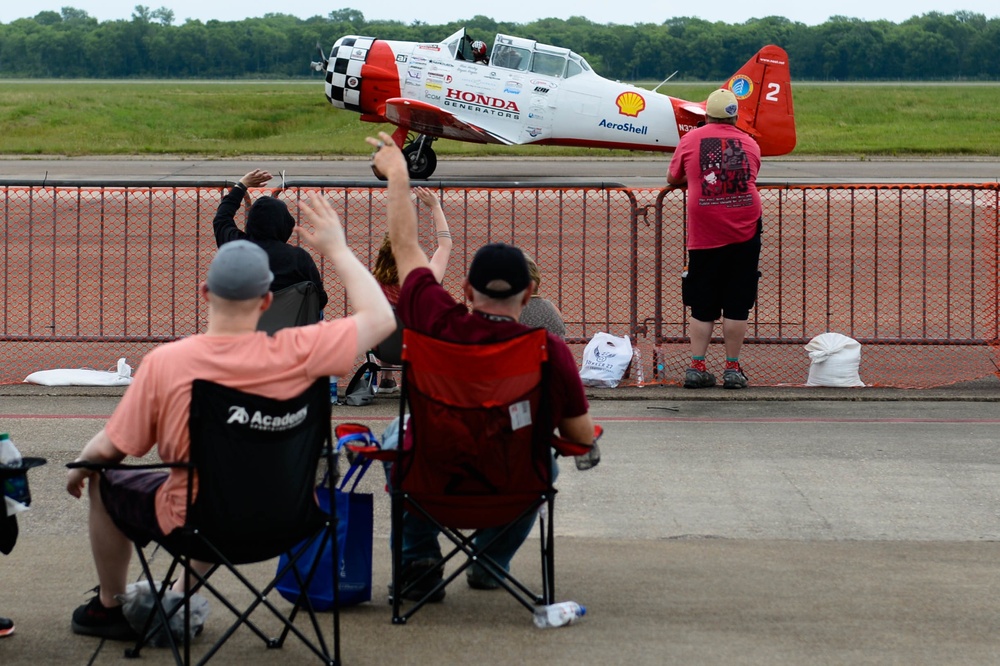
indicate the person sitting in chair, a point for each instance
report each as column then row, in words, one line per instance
column 269, row 225
column 385, row 264
column 540, row 312
column 141, row 506
column 498, row 286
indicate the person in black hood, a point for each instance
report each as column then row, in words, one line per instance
column 269, row 225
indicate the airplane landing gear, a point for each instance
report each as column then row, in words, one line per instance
column 420, row 158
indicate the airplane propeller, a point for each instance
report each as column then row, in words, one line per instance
column 319, row 66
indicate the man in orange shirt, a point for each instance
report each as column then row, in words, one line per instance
column 142, row 506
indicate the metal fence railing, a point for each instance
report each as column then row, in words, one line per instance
column 92, row 273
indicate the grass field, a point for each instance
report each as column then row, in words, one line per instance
column 215, row 118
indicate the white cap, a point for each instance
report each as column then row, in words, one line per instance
column 722, row 104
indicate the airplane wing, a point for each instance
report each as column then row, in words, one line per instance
column 698, row 110
column 429, row 119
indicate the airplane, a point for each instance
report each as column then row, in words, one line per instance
column 531, row 93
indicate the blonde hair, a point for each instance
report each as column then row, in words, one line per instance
column 533, row 272
column 385, row 264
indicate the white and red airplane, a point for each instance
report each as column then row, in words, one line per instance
column 531, row 93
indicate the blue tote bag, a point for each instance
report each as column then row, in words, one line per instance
column 354, row 541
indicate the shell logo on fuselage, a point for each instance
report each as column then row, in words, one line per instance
column 741, row 85
column 630, row 104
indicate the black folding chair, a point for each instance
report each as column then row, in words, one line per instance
column 388, row 354
column 256, row 462
column 297, row 305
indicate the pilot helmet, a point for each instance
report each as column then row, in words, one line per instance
column 479, row 49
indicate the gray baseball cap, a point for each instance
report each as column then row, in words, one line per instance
column 239, row 271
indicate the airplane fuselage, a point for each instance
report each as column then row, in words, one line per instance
column 531, row 93
column 527, row 107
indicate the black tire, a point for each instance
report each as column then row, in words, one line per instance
column 421, row 162
column 378, row 174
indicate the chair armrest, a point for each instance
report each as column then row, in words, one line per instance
column 101, row 466
column 373, row 452
column 565, row 447
column 26, row 463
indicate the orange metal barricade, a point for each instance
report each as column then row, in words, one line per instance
column 91, row 274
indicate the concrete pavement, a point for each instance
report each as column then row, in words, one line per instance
column 640, row 171
column 771, row 526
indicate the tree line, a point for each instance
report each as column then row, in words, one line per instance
column 72, row 44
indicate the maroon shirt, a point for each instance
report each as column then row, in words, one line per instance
column 425, row 306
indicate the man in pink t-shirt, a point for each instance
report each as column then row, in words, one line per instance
column 143, row 506
column 719, row 164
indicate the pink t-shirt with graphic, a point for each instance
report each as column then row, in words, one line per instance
column 721, row 163
column 154, row 409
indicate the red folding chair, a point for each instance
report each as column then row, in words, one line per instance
column 476, row 453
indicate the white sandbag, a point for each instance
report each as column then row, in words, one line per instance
column 835, row 360
column 605, row 360
column 83, row 377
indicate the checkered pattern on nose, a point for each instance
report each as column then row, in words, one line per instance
column 343, row 71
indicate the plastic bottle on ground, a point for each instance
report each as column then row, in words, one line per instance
column 559, row 614
column 640, row 377
column 334, row 400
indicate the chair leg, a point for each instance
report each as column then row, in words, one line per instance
column 474, row 554
column 548, row 552
column 158, row 611
column 397, row 557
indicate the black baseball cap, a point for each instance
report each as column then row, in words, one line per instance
column 499, row 271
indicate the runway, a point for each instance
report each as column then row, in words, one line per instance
column 639, row 172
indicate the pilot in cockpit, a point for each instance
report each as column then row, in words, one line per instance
column 479, row 53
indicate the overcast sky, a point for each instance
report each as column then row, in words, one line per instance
column 626, row 12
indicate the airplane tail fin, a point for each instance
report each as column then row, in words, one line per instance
column 763, row 87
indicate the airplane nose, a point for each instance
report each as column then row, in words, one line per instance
column 361, row 75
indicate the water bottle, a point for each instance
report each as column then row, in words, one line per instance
column 558, row 615
column 334, row 399
column 14, row 487
column 640, row 377
column 588, row 460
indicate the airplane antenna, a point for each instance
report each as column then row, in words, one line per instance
column 666, row 79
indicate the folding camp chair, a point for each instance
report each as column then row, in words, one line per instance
column 256, row 462
column 388, row 354
column 8, row 523
column 296, row 305
column 476, row 453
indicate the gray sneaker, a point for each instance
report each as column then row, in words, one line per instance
column 734, row 379
column 698, row 378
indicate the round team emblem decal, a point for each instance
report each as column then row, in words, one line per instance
column 352, row 82
column 741, row 85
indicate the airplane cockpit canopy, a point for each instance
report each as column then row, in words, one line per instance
column 459, row 45
column 523, row 55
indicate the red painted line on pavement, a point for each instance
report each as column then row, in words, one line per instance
column 788, row 419
column 55, row 416
column 623, row 419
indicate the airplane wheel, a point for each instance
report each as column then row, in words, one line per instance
column 421, row 162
